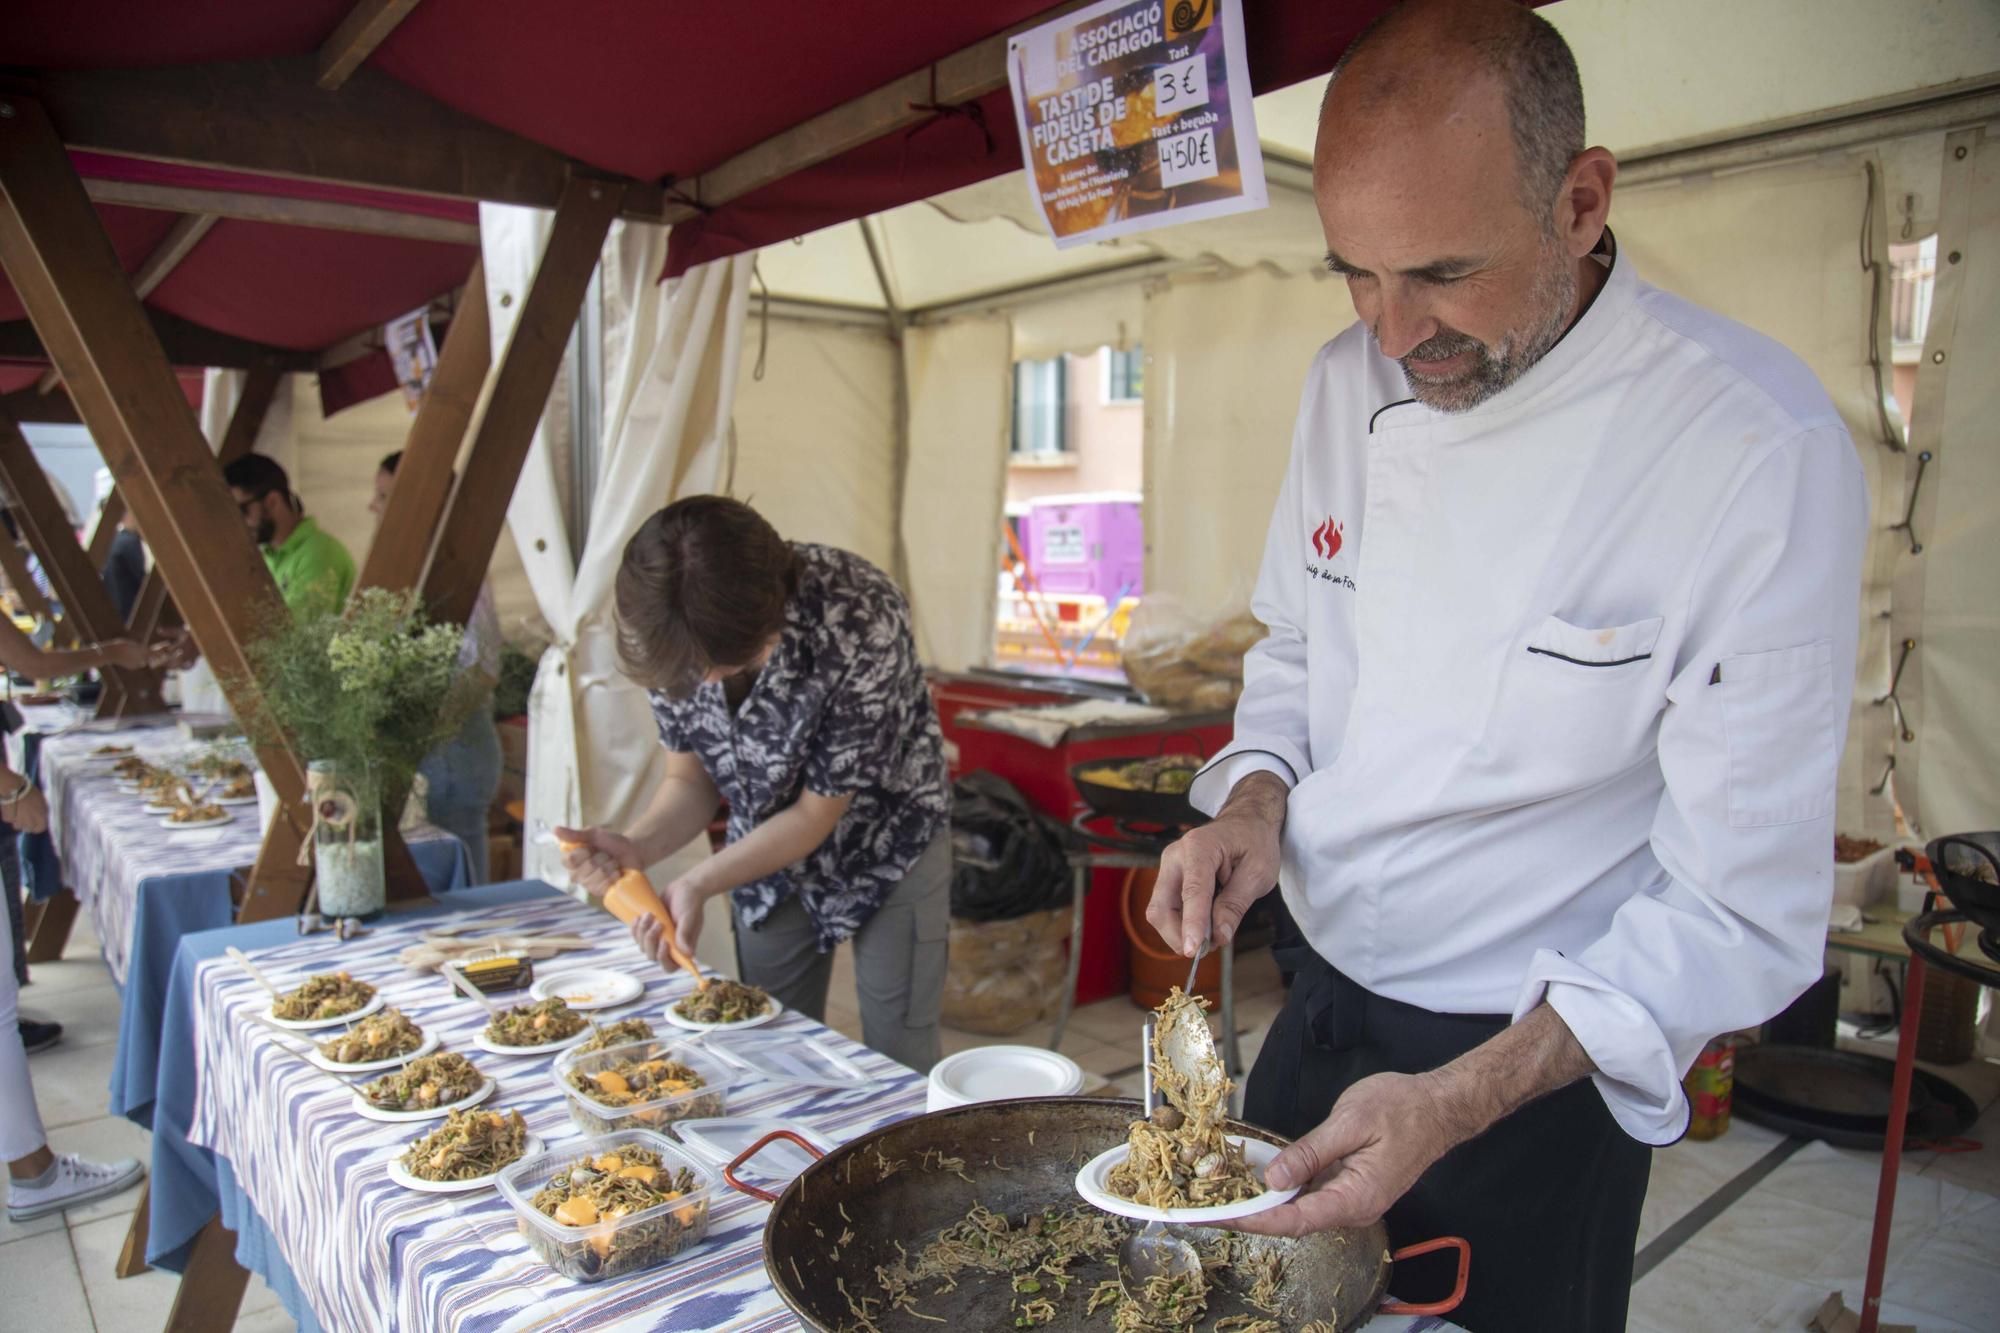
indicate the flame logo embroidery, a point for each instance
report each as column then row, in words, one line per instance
column 1326, row 539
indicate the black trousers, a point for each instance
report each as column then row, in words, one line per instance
column 1549, row 1198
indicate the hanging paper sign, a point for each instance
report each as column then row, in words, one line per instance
column 1136, row 114
column 413, row 352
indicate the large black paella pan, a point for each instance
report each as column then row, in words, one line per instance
column 901, row 1185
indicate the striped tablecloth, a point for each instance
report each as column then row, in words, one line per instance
column 368, row 1254
column 110, row 846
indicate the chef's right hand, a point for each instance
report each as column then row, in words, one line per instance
column 596, row 857
column 1211, row 876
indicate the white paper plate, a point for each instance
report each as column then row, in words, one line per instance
column 368, row 1112
column 995, row 1073
column 494, row 1048
column 315, row 1024
column 429, row 1044
column 689, row 1025
column 177, row 825
column 234, row 800
column 410, row 1182
column 598, row 987
column 1090, row 1183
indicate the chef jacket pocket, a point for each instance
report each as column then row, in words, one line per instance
column 1778, row 718
column 1618, row 646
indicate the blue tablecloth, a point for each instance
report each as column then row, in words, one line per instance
column 169, row 907
column 189, row 1184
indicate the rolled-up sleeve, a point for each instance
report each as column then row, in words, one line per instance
column 1749, row 743
column 1272, row 733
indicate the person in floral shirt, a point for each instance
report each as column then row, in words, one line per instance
column 784, row 680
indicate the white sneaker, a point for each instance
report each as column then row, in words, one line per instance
column 75, row 1183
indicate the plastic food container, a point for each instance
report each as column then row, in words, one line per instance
column 611, row 1247
column 592, row 1116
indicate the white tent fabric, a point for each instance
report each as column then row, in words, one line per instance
column 960, row 419
column 593, row 757
column 816, row 437
column 1944, row 594
column 1225, row 361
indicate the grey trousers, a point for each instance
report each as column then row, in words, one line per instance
column 899, row 961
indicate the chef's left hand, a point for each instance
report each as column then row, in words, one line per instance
column 1382, row 1134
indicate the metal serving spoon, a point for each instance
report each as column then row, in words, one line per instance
column 1152, row 1251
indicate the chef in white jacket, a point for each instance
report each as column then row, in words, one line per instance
column 1562, row 588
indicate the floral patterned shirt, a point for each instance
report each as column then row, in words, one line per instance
column 840, row 707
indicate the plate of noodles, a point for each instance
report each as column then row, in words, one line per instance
column 467, row 1152
column 1177, row 1165
column 723, row 1006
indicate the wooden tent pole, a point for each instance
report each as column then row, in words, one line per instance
column 505, row 424
column 153, row 611
column 14, row 564
column 77, row 585
column 55, row 251
column 423, row 479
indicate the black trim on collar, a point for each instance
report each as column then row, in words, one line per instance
column 1400, row 402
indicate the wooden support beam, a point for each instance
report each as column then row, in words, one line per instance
column 181, row 239
column 46, row 526
column 51, row 929
column 33, row 409
column 963, row 76
column 63, row 268
column 366, row 27
column 185, row 343
column 106, row 530
column 284, row 210
column 272, row 117
column 212, row 1283
column 402, row 541
column 14, row 564
column 506, row 419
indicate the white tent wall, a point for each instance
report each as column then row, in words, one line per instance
column 961, row 399
column 1226, row 358
column 1944, row 599
column 815, row 447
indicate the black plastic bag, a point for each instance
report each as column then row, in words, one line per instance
column 1006, row 857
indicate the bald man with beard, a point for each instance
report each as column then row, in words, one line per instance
column 1562, row 590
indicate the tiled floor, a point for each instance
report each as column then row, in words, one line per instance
column 1765, row 1263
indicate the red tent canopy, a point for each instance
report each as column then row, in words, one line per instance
column 268, row 288
column 658, row 93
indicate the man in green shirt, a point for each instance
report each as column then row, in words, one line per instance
column 312, row 567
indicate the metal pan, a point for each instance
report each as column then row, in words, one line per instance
column 1021, row 1157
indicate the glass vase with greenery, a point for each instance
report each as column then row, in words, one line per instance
column 361, row 695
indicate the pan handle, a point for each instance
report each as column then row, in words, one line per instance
column 745, row 1187
column 1449, row 1303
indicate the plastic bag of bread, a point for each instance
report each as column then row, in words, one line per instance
column 1186, row 661
column 1005, row 975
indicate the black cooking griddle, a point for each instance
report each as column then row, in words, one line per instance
column 1842, row 1097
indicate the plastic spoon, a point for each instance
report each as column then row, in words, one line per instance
column 243, row 960
column 1152, row 1251
column 459, row 980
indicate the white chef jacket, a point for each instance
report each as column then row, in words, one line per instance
column 1559, row 684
